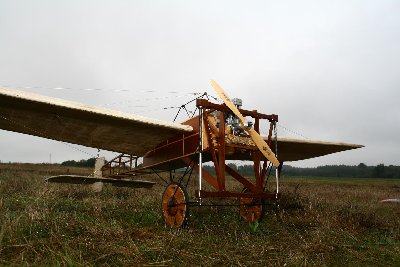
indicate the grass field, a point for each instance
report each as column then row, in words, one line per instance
column 319, row 222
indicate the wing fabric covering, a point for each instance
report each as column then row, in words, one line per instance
column 298, row 149
column 76, row 123
column 291, row 149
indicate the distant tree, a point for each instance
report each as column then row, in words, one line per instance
column 362, row 166
column 82, row 163
column 91, row 162
column 379, row 171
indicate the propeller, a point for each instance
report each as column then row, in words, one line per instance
column 257, row 139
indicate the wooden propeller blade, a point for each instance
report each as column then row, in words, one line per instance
column 257, row 139
column 228, row 102
column 263, row 146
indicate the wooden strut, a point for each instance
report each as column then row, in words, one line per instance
column 215, row 141
column 123, row 165
column 216, row 146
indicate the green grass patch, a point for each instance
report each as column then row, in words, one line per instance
column 318, row 222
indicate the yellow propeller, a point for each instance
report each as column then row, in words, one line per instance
column 257, row 139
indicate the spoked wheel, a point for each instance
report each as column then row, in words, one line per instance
column 251, row 209
column 174, row 206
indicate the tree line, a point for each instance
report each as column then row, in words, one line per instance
column 357, row 171
column 80, row 163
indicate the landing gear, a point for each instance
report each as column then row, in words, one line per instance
column 251, row 209
column 174, row 206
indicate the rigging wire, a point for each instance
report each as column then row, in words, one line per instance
column 129, row 103
column 287, row 130
column 94, row 89
column 141, row 100
column 191, row 113
column 292, row 131
column 45, row 135
column 171, row 94
column 126, row 103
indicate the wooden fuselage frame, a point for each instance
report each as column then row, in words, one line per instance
column 183, row 150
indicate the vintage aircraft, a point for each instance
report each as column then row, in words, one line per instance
column 218, row 133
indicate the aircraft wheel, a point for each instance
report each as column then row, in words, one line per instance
column 174, row 206
column 251, row 209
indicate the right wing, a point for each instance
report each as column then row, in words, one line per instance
column 80, row 124
column 290, row 149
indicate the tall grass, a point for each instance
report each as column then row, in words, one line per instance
column 316, row 223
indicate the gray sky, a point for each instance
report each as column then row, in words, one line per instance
column 329, row 69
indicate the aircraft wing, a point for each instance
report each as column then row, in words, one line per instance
column 290, row 149
column 81, row 124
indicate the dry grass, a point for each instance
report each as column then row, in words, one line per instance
column 318, row 222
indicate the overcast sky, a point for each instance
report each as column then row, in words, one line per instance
column 329, row 69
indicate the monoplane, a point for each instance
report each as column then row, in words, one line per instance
column 216, row 134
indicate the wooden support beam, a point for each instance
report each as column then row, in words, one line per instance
column 264, row 170
column 246, row 183
column 256, row 166
column 221, row 152
column 212, row 150
column 206, row 176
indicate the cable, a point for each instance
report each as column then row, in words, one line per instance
column 292, row 131
column 41, row 134
column 94, row 89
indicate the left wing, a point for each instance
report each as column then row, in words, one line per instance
column 81, row 124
